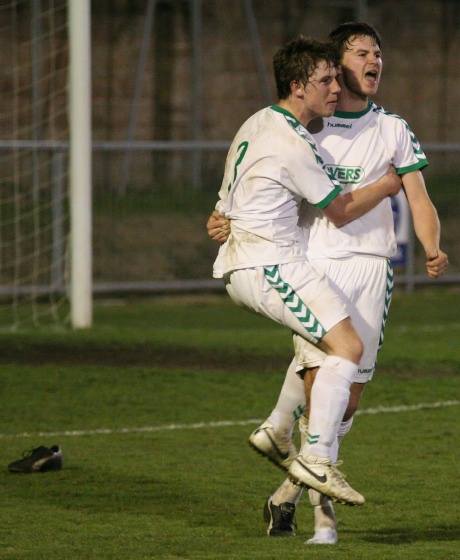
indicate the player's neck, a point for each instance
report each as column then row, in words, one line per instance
column 297, row 110
column 350, row 103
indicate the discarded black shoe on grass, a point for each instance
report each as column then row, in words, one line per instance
column 40, row 459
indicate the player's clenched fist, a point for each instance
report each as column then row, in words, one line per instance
column 437, row 263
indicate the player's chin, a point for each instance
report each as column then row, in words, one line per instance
column 371, row 89
column 330, row 109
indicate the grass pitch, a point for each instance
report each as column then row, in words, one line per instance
column 153, row 406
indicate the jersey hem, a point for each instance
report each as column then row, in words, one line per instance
column 221, row 273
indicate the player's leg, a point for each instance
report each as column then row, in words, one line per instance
column 273, row 439
column 280, row 516
column 296, row 296
column 291, row 402
column 279, row 510
column 328, row 402
column 325, row 522
column 365, row 284
column 249, row 289
column 322, row 317
column 368, row 295
column 330, row 393
column 356, row 392
column 376, row 286
column 272, row 436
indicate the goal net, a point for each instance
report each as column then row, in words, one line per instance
column 33, row 163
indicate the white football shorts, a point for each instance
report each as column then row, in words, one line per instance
column 292, row 294
column 365, row 284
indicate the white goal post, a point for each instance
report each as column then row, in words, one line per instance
column 80, row 162
column 45, row 164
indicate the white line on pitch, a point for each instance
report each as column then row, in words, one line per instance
column 406, row 408
column 218, row 424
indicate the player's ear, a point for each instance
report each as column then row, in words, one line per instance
column 296, row 89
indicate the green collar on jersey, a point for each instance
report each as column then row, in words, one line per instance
column 295, row 124
column 352, row 115
column 286, row 113
column 339, row 114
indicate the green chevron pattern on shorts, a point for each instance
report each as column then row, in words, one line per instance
column 295, row 304
column 388, row 296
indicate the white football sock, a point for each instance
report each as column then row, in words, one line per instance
column 287, row 492
column 329, row 400
column 325, row 520
column 291, row 403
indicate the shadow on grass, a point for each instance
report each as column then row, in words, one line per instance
column 91, row 353
column 408, row 535
column 81, row 490
column 143, row 355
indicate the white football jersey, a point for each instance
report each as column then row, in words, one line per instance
column 358, row 148
column 271, row 166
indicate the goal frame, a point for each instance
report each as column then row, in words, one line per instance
column 80, row 186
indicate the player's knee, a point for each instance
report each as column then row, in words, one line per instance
column 342, row 340
column 350, row 348
column 356, row 349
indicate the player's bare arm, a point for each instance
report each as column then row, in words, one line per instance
column 341, row 210
column 426, row 223
column 218, row 227
column 349, row 206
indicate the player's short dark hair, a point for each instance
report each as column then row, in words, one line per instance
column 340, row 37
column 297, row 62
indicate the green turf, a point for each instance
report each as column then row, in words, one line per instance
column 197, row 491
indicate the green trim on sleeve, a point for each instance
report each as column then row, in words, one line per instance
column 326, row 201
column 417, row 166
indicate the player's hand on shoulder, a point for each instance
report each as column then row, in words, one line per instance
column 218, row 227
column 437, row 263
